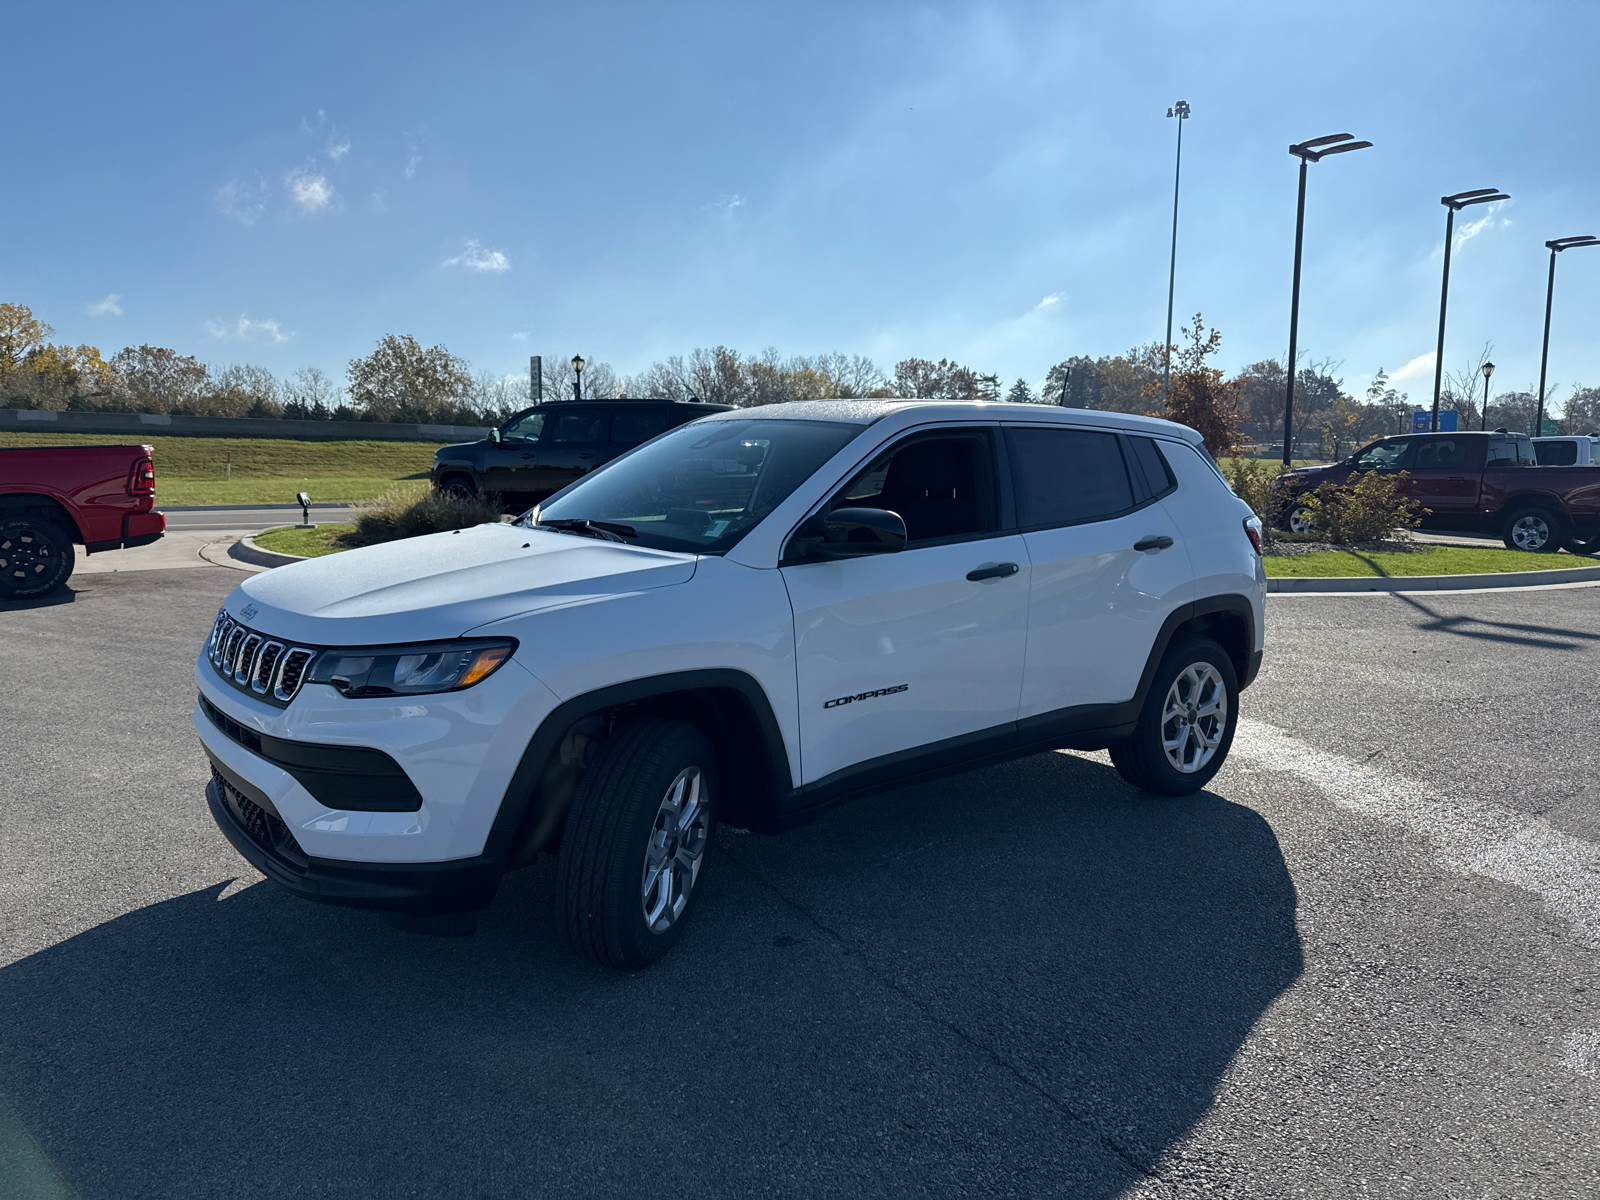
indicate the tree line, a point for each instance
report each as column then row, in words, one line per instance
column 401, row 380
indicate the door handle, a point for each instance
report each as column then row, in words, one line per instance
column 998, row 571
column 1153, row 543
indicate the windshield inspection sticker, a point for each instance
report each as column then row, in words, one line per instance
column 888, row 691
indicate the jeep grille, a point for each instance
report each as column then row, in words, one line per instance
column 253, row 662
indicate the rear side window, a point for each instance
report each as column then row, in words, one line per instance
column 1439, row 454
column 581, row 426
column 1067, row 476
column 1512, row 452
column 1556, row 454
column 1152, row 477
column 629, row 427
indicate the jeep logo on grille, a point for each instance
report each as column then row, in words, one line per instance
column 888, row 691
column 248, row 612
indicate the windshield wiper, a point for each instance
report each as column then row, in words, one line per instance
column 605, row 530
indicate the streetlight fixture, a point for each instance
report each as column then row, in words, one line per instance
column 1311, row 151
column 1555, row 248
column 1454, row 204
column 1488, row 370
column 1181, row 111
column 577, row 377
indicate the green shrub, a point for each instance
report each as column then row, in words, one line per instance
column 1366, row 508
column 1251, row 481
column 399, row 514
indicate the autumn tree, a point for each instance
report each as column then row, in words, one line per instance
column 20, row 332
column 400, row 381
column 1198, row 397
column 155, row 379
column 919, row 379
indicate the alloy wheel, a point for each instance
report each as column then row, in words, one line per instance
column 676, row 851
column 1530, row 532
column 24, row 557
column 1194, row 717
column 1300, row 521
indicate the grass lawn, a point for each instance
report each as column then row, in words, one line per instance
column 310, row 543
column 193, row 470
column 1441, row 560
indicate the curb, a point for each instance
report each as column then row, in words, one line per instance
column 1429, row 583
column 246, row 550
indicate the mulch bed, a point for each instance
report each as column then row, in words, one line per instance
column 1289, row 549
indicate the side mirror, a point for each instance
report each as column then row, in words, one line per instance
column 855, row 533
column 494, row 435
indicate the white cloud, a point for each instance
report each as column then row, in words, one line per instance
column 728, row 205
column 338, row 147
column 519, row 337
column 246, row 330
column 1491, row 217
column 1420, row 365
column 110, row 306
column 311, row 192
column 242, row 200
column 413, row 161
column 479, row 258
column 1049, row 301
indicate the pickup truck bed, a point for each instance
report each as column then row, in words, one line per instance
column 99, row 497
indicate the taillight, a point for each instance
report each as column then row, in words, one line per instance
column 142, row 479
column 1252, row 530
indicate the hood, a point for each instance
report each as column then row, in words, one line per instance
column 442, row 585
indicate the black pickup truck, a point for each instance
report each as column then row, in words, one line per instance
column 1470, row 482
column 542, row 449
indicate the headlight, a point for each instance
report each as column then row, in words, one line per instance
column 411, row 670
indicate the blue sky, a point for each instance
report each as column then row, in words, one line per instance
column 987, row 182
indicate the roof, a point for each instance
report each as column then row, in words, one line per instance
column 867, row 412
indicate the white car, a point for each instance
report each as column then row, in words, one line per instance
column 748, row 619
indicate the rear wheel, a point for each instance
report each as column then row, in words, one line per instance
column 1186, row 726
column 1534, row 529
column 636, row 841
column 36, row 558
column 1297, row 518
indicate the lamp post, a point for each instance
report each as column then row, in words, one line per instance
column 1454, row 204
column 1555, row 247
column 1488, row 370
column 1306, row 152
column 1181, row 111
column 577, row 377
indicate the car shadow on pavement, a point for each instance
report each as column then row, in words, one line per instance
column 1027, row 979
column 64, row 595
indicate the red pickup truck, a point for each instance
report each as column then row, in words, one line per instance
column 101, row 497
column 1473, row 483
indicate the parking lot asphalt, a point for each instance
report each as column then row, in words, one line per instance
column 1362, row 964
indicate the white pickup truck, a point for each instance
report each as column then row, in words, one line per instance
column 1568, row 451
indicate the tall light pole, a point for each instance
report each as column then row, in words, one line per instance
column 1488, row 370
column 1306, row 152
column 1181, row 111
column 1555, row 247
column 577, row 377
column 1454, row 204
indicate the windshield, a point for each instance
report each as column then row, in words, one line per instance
column 700, row 487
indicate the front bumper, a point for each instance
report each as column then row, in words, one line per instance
column 247, row 819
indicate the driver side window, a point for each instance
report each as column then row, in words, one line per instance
column 1382, row 456
column 941, row 485
column 523, row 429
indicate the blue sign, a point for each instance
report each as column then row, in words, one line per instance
column 1422, row 422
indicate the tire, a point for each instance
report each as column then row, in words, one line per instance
column 36, row 558
column 1534, row 529
column 459, row 487
column 1296, row 518
column 1143, row 759
column 651, row 777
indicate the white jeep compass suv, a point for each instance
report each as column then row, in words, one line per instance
column 748, row 619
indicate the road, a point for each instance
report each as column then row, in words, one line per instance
column 253, row 518
column 1362, row 964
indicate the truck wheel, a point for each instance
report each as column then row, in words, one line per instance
column 1534, row 529
column 458, row 487
column 1186, row 726
column 36, row 558
column 635, row 843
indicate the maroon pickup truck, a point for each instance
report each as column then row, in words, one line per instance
column 1487, row 483
column 101, row 497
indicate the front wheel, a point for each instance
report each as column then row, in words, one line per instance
column 458, row 487
column 1533, row 529
column 1186, row 726
column 636, row 841
column 36, row 558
